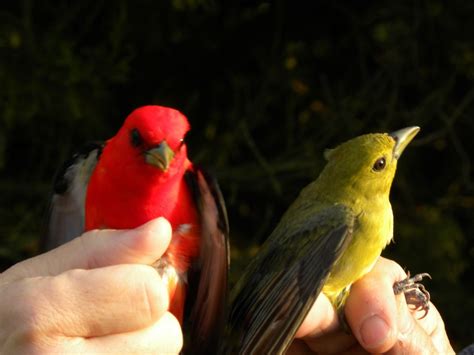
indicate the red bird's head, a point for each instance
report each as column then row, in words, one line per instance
column 151, row 140
column 139, row 175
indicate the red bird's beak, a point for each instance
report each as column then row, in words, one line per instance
column 160, row 156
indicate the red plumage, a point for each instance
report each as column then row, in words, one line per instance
column 125, row 191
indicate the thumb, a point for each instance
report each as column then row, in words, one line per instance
column 372, row 308
column 99, row 248
column 382, row 322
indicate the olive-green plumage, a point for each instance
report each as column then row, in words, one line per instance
column 329, row 237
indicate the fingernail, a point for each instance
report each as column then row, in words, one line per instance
column 374, row 331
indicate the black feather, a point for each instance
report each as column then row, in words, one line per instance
column 279, row 287
column 207, row 280
column 61, row 182
column 66, row 212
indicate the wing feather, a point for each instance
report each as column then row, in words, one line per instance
column 66, row 214
column 275, row 294
column 208, row 278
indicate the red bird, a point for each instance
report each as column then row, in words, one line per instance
column 142, row 173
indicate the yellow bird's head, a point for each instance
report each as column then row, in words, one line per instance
column 367, row 163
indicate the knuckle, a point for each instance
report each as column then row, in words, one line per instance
column 82, row 246
column 26, row 314
column 26, row 340
column 32, row 313
column 69, row 276
column 34, row 343
column 28, row 306
column 153, row 296
column 58, row 287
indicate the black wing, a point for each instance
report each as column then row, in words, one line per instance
column 205, row 311
column 277, row 290
column 66, row 215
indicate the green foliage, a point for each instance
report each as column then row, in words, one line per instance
column 267, row 86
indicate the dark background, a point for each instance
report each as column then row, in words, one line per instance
column 267, row 86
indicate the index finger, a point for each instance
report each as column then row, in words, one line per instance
column 86, row 303
column 320, row 320
column 319, row 330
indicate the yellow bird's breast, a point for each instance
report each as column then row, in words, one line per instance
column 372, row 232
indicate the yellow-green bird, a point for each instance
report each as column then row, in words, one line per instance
column 329, row 237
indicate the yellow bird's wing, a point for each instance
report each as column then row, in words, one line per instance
column 277, row 290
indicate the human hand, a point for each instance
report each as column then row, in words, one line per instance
column 380, row 321
column 97, row 293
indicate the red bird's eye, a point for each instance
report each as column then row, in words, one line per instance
column 136, row 138
column 181, row 143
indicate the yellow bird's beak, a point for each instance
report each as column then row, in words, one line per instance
column 160, row 156
column 402, row 138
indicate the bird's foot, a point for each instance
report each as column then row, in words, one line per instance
column 339, row 304
column 416, row 295
column 343, row 322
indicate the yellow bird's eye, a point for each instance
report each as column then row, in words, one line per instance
column 379, row 164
